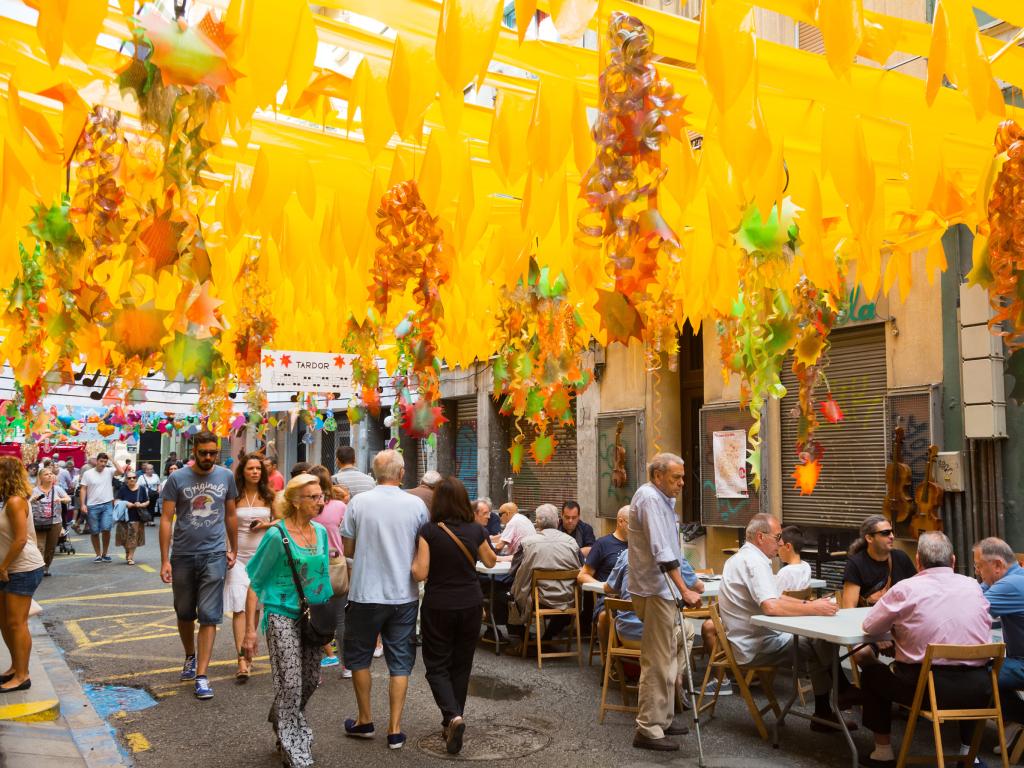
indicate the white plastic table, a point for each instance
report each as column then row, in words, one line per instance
column 498, row 569
column 711, row 586
column 843, row 629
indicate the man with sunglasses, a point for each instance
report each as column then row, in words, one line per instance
column 199, row 505
column 874, row 565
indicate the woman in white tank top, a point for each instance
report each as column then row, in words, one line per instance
column 21, row 571
column 255, row 499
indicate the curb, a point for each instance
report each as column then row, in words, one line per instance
column 40, row 703
column 96, row 741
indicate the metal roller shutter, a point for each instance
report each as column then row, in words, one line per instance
column 852, row 482
column 735, row 513
column 551, row 483
column 466, row 444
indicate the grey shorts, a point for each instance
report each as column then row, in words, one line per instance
column 197, row 582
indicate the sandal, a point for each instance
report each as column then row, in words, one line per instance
column 129, row 561
column 242, row 675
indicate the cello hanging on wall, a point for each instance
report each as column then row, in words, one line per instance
column 898, row 504
column 929, row 499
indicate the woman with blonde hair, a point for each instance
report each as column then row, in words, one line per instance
column 21, row 571
column 294, row 549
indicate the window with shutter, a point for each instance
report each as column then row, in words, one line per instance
column 734, row 513
column 852, row 482
column 809, row 38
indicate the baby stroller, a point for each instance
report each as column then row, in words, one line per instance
column 64, row 545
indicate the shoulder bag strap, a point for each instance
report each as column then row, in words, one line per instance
column 303, row 603
column 888, row 580
column 457, row 540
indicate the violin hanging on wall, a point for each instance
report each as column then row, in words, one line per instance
column 929, row 499
column 898, row 504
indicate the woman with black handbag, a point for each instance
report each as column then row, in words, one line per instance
column 131, row 533
column 447, row 551
column 289, row 574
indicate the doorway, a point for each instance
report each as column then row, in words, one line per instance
column 691, row 394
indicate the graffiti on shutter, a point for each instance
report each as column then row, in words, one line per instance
column 466, row 445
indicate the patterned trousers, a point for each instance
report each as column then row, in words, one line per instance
column 295, row 667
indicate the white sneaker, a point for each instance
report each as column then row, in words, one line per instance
column 346, row 673
column 378, row 651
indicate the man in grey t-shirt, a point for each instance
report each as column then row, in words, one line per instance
column 199, row 503
column 379, row 532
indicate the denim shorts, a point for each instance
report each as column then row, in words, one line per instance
column 24, row 583
column 197, row 582
column 101, row 516
column 396, row 625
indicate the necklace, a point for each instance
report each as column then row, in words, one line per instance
column 301, row 532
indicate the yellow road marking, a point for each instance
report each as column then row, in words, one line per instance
column 169, row 670
column 106, row 596
column 93, row 644
column 147, row 568
column 137, row 742
column 123, row 615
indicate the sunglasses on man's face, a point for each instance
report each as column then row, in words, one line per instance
column 207, row 453
column 886, row 533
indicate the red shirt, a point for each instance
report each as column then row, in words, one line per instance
column 276, row 480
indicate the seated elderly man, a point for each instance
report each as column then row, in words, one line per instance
column 600, row 563
column 551, row 550
column 935, row 606
column 485, row 515
column 506, row 544
column 1002, row 582
column 748, row 588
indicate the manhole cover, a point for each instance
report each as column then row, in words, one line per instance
column 488, row 742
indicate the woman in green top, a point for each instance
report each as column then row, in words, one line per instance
column 294, row 664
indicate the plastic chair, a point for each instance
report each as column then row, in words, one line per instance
column 616, row 650
column 540, row 613
column 993, row 652
column 723, row 660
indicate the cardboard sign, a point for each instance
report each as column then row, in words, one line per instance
column 307, row 372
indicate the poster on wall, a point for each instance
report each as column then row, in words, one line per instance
column 730, row 453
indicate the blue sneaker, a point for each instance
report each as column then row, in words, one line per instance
column 364, row 731
column 188, row 669
column 396, row 740
column 203, row 688
column 329, row 661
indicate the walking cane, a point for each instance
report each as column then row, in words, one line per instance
column 689, row 677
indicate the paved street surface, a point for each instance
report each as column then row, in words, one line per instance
column 118, row 630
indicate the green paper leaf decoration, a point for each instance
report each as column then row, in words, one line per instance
column 516, row 452
column 189, row 357
column 543, row 448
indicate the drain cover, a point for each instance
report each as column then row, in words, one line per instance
column 488, row 742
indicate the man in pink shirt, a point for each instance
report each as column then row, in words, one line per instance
column 935, row 606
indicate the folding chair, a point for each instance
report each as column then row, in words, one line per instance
column 594, row 648
column 993, row 652
column 723, row 660
column 540, row 613
column 617, row 649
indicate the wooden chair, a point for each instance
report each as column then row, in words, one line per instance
column 540, row 613
column 993, row 652
column 594, row 648
column 616, row 650
column 723, row 660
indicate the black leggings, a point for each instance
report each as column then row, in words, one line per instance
column 449, row 642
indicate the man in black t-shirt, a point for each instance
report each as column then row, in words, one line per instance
column 600, row 562
column 582, row 532
column 874, row 564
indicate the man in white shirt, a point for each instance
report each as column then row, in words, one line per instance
column 795, row 574
column 748, row 588
column 97, row 501
column 517, row 526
